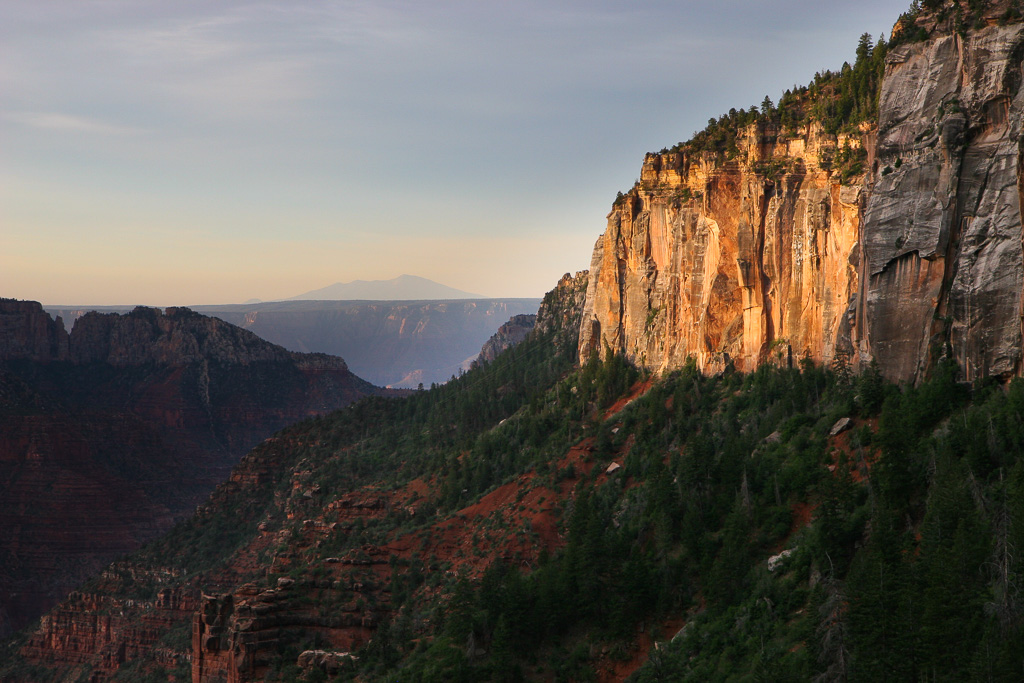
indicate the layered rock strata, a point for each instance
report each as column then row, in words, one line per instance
column 771, row 254
column 109, row 434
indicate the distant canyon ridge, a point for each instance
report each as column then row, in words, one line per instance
column 388, row 343
column 401, row 288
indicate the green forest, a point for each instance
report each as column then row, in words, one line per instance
column 909, row 569
column 838, row 100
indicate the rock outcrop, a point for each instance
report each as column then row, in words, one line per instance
column 91, row 631
column 175, row 337
column 113, row 432
column 507, row 336
column 772, row 255
column 563, row 306
column 728, row 262
column 27, row 332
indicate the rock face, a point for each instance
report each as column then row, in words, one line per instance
column 507, row 336
column 26, row 331
column 562, row 307
column 109, row 434
column 942, row 229
column 90, row 629
column 772, row 255
column 177, row 337
column 727, row 262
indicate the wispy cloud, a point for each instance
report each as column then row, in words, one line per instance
column 69, row 123
column 232, row 63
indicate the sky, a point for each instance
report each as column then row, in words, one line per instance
column 183, row 152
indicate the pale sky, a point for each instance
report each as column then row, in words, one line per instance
column 184, row 152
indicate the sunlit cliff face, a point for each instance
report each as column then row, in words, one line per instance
column 772, row 256
column 736, row 261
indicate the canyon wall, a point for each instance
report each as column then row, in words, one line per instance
column 728, row 262
column 28, row 332
column 771, row 256
column 280, row 534
column 110, row 434
column 388, row 343
column 943, row 262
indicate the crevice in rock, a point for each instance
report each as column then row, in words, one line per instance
column 766, row 302
column 1020, row 207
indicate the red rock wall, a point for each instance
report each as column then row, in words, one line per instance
column 27, row 332
column 102, row 633
column 110, row 434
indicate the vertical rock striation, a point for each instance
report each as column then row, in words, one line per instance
column 728, row 262
column 942, row 231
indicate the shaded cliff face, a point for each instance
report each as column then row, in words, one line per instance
column 728, row 262
column 942, row 228
column 773, row 254
column 177, row 337
column 112, row 432
column 26, row 331
column 507, row 336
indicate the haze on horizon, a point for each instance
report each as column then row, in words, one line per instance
column 204, row 153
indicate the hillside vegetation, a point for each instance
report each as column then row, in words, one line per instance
column 839, row 101
column 896, row 542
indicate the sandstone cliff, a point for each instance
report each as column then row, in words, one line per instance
column 728, row 261
column 773, row 254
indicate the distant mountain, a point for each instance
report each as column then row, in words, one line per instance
column 401, row 288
